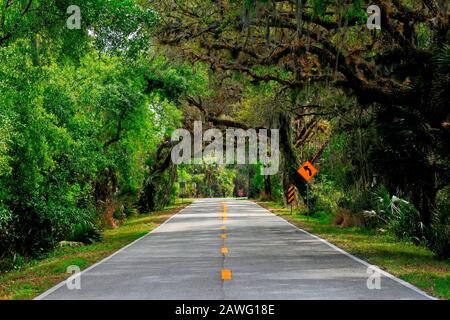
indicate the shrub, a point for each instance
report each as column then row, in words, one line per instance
column 44, row 224
column 130, row 210
column 86, row 232
column 355, row 201
column 119, row 214
column 405, row 221
column 440, row 230
column 400, row 216
column 381, row 205
column 323, row 196
column 6, row 236
column 12, row 262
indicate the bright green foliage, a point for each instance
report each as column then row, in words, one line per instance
column 119, row 27
column 71, row 128
column 206, row 180
column 258, row 179
column 79, row 120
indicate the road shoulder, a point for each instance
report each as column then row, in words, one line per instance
column 409, row 263
column 39, row 275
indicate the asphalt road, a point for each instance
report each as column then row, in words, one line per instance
column 267, row 258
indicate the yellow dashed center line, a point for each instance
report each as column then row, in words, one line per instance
column 226, row 274
column 225, row 209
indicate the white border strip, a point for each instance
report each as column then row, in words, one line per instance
column 62, row 283
column 386, row 274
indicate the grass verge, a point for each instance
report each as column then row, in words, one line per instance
column 416, row 265
column 39, row 275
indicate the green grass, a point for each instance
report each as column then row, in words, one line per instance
column 39, row 275
column 414, row 264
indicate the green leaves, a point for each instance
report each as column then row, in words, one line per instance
column 319, row 7
column 121, row 27
column 6, row 136
column 81, row 114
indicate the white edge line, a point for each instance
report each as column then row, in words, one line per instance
column 62, row 283
column 386, row 274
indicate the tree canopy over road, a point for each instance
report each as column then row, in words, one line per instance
column 86, row 115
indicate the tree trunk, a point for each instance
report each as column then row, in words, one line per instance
column 35, row 50
column 424, row 200
column 267, row 187
column 157, row 188
column 290, row 160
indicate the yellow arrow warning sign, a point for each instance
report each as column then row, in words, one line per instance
column 307, row 171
